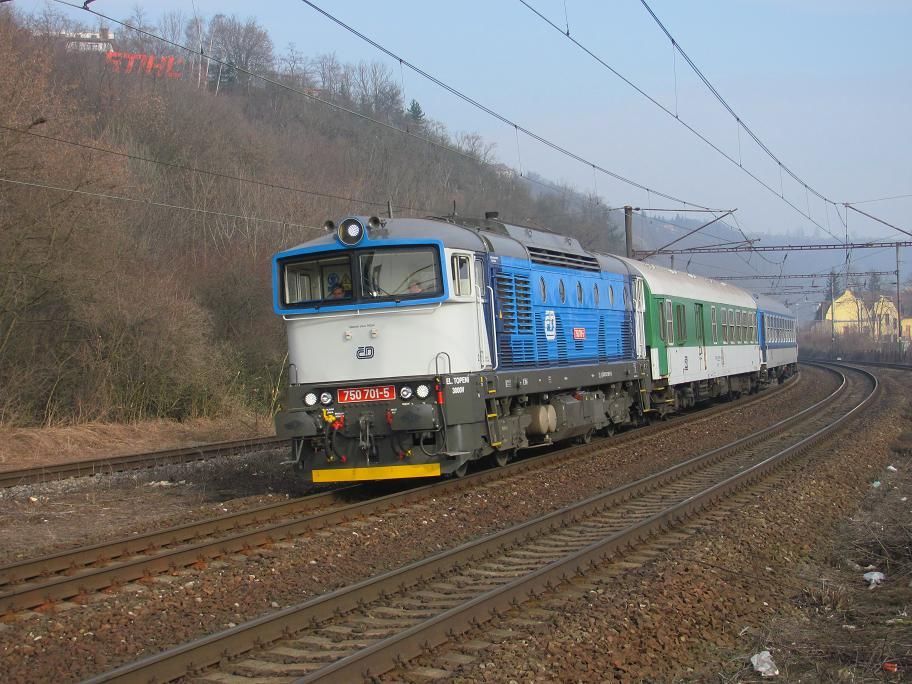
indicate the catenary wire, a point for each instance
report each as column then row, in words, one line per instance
column 489, row 111
column 681, row 121
column 208, row 172
column 880, row 199
column 310, row 96
column 355, row 113
column 154, row 203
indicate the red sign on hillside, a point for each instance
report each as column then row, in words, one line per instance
column 136, row 62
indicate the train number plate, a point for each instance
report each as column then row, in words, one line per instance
column 353, row 394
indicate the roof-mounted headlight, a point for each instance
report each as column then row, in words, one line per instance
column 350, row 232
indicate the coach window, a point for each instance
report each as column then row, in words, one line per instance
column 579, row 292
column 562, row 291
column 462, row 283
column 680, row 323
column 714, row 324
column 669, row 323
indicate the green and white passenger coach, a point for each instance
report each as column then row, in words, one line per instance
column 704, row 336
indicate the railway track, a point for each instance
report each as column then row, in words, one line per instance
column 367, row 628
column 75, row 574
column 116, row 464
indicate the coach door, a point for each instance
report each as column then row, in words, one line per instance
column 701, row 334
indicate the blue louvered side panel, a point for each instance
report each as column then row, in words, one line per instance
column 515, row 339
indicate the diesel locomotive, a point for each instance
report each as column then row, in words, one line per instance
column 417, row 346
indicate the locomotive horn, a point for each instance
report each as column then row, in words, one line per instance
column 373, row 223
column 329, row 225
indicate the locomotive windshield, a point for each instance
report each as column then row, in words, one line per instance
column 392, row 273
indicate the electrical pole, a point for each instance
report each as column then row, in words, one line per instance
column 833, row 312
column 898, row 305
column 628, row 229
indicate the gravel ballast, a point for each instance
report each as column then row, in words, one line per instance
column 77, row 640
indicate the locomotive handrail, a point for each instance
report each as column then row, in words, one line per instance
column 494, row 330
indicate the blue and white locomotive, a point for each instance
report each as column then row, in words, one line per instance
column 419, row 345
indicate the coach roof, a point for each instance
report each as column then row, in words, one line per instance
column 664, row 281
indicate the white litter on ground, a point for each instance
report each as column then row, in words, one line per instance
column 763, row 663
column 874, row 578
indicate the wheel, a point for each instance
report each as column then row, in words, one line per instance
column 585, row 438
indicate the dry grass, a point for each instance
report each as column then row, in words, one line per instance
column 851, row 632
column 27, row 447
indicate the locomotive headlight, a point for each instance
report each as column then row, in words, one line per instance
column 350, row 232
column 406, row 393
column 310, row 399
column 422, row 391
column 326, row 398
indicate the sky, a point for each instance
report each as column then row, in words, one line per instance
column 825, row 84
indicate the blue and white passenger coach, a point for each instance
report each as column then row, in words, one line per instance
column 419, row 345
column 778, row 328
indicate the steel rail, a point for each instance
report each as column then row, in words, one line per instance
column 115, row 464
column 79, row 572
column 193, row 657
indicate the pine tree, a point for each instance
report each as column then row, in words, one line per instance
column 415, row 112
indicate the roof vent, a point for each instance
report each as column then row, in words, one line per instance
column 553, row 257
column 491, row 215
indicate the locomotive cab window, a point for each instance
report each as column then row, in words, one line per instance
column 313, row 280
column 399, row 273
column 462, row 280
column 479, row 278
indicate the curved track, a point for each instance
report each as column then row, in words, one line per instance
column 365, row 629
column 73, row 574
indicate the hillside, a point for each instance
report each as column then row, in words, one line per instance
column 144, row 193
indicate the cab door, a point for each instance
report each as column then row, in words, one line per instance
column 639, row 313
column 483, row 309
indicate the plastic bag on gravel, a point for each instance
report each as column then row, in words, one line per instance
column 874, row 578
column 763, row 663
